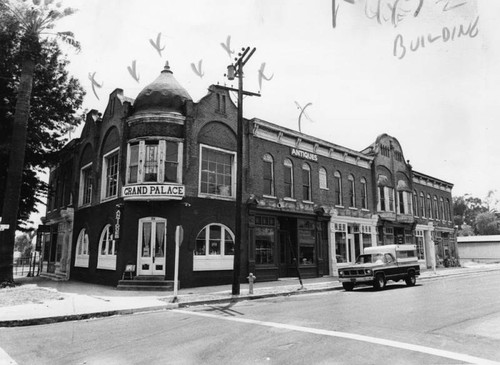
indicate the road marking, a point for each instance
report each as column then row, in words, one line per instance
column 5, row 358
column 351, row 336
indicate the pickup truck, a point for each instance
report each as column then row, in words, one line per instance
column 379, row 264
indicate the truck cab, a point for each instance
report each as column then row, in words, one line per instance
column 377, row 265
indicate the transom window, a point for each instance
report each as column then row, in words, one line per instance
column 110, row 174
column 217, row 172
column 107, row 249
column 214, row 248
column 268, row 166
column 82, row 249
column 154, row 161
column 86, row 185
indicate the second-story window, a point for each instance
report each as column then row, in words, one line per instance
column 323, row 181
column 352, row 195
column 381, row 193
column 364, row 194
column 288, row 178
column 110, row 174
column 86, row 184
column 337, row 182
column 268, row 174
column 390, row 194
column 422, row 205
column 217, row 172
column 306, row 182
column 429, row 206
column 436, row 208
column 154, row 161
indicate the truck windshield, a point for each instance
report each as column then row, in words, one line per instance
column 376, row 258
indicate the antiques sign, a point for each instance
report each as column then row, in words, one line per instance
column 304, row 154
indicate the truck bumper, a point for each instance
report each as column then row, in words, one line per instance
column 361, row 279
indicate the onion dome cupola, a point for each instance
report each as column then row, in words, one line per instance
column 164, row 94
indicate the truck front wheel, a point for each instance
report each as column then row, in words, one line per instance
column 348, row 286
column 411, row 279
column 379, row 282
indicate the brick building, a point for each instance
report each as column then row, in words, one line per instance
column 147, row 165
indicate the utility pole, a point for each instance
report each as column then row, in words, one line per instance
column 236, row 70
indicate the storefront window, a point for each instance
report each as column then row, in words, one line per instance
column 214, row 248
column 419, row 242
column 340, row 242
column 264, row 245
column 307, row 242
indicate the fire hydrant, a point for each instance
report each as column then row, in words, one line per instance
column 251, row 278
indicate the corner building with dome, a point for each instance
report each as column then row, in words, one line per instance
column 147, row 165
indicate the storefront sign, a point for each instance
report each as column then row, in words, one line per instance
column 117, row 225
column 303, row 154
column 153, row 192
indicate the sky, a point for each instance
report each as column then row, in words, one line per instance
column 423, row 71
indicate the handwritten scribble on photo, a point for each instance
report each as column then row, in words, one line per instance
column 94, row 84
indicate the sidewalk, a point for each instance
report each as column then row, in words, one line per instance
column 71, row 300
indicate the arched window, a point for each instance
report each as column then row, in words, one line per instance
column 364, row 194
column 306, row 182
column 107, row 250
column 268, row 174
column 323, row 181
column 82, row 249
column 337, row 182
column 448, row 209
column 214, row 248
column 288, row 178
column 429, row 206
column 422, row 204
column 415, row 202
column 441, row 209
column 436, row 208
column 352, row 195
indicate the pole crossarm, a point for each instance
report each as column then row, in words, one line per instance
column 233, row 89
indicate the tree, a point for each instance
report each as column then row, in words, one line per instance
column 33, row 21
column 474, row 216
column 23, row 244
column 487, row 224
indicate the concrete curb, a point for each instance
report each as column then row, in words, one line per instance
column 168, row 306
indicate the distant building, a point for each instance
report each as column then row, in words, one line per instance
column 479, row 248
column 147, row 165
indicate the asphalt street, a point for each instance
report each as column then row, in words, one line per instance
column 443, row 321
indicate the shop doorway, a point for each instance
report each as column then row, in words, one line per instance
column 152, row 243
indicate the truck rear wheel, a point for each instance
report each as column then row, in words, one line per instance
column 411, row 279
column 348, row 286
column 379, row 282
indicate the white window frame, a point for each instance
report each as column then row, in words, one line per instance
column 82, row 185
column 104, row 178
column 209, row 262
column 107, row 261
column 233, row 174
column 162, row 145
column 82, row 249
